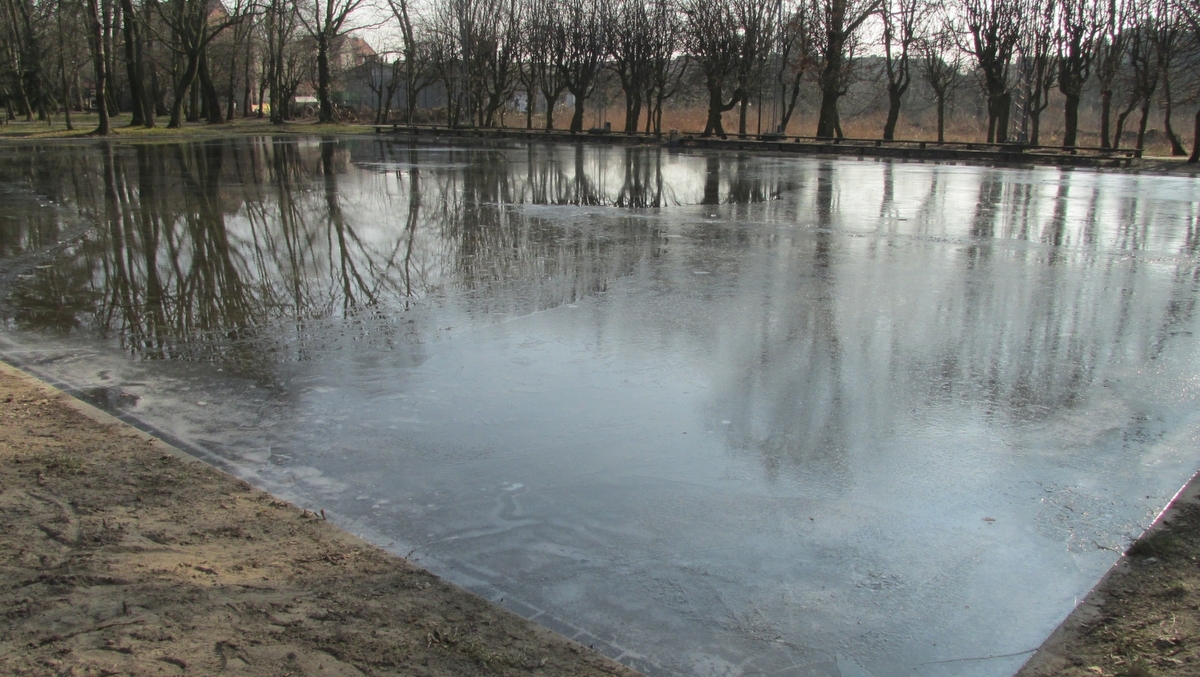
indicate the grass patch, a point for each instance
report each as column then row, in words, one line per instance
column 86, row 124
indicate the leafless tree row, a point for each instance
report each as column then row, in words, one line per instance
column 480, row 60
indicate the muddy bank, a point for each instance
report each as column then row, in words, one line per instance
column 1143, row 618
column 119, row 555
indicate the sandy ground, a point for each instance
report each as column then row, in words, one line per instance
column 121, row 556
column 1143, row 619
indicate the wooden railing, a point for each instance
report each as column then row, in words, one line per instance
column 1010, row 149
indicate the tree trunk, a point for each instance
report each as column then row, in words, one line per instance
column 110, row 85
column 212, row 103
column 181, row 90
column 742, row 110
column 831, row 91
column 231, row 96
column 1195, row 157
column 194, row 103
column 941, row 116
column 1071, row 120
column 1176, row 145
column 577, row 118
column 1120, row 129
column 790, row 106
column 633, row 110
column 1141, row 137
column 895, row 98
column 828, row 123
column 62, row 70
column 716, row 108
column 101, row 66
column 323, row 80
column 551, row 102
column 133, row 68
column 246, row 74
column 1105, row 116
column 1005, row 104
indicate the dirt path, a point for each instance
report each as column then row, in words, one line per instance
column 120, row 556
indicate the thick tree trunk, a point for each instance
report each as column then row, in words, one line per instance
column 577, row 118
column 1070, row 120
column 895, row 98
column 717, row 108
column 941, row 116
column 633, row 111
column 181, row 91
column 324, row 81
column 1002, row 119
column 212, row 103
column 1105, row 117
column 551, row 102
column 828, row 123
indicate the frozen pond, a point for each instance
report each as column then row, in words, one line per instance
column 714, row 414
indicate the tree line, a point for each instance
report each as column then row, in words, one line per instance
column 208, row 59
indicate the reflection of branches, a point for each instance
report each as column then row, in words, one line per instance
column 351, row 278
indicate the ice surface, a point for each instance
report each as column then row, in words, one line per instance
column 716, row 414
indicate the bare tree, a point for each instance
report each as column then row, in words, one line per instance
column 794, row 56
column 142, row 108
column 546, row 55
column 1169, row 43
column 901, row 20
column 1037, row 65
column 325, row 21
column 66, row 75
column 755, row 21
column 99, row 64
column 415, row 53
column 941, row 67
column 714, row 42
column 585, row 52
column 497, row 57
column 1190, row 10
column 666, row 66
column 629, row 43
column 26, row 54
column 992, row 28
column 290, row 60
column 240, row 34
column 1111, row 44
column 1078, row 29
column 835, row 37
column 192, row 30
column 1142, row 73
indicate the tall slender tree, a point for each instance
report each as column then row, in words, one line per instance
column 901, row 22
